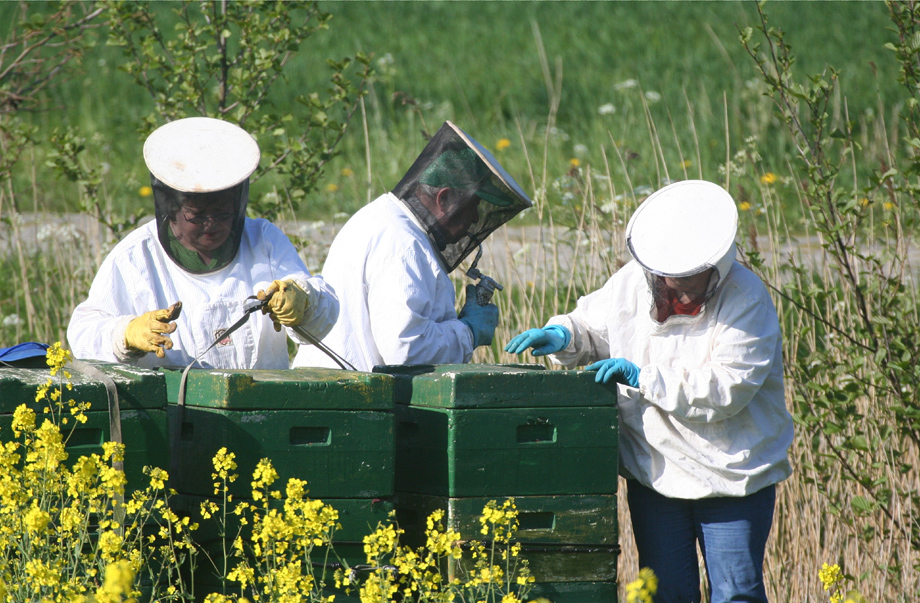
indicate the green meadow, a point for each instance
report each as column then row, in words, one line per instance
column 665, row 82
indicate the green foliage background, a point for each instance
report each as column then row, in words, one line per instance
column 479, row 64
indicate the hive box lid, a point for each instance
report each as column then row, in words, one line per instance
column 292, row 389
column 137, row 387
column 496, row 385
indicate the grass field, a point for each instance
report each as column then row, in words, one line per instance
column 623, row 72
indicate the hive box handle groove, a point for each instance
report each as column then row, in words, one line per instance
column 310, row 436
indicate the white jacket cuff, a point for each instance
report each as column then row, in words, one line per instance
column 122, row 352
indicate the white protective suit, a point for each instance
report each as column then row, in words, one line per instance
column 397, row 299
column 709, row 417
column 138, row 276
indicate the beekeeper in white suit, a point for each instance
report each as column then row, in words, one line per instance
column 391, row 261
column 203, row 251
column 693, row 341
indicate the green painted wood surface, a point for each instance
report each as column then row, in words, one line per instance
column 143, row 432
column 484, row 385
column 561, row 563
column 506, row 452
column 296, row 389
column 137, row 387
column 575, row 592
column 341, row 454
column 556, row 520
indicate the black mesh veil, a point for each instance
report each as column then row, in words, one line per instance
column 460, row 193
column 168, row 201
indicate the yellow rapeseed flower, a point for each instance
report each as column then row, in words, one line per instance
column 768, row 178
column 23, row 420
column 830, row 575
column 36, row 520
column 145, row 191
column 643, row 588
column 224, row 463
column 502, row 144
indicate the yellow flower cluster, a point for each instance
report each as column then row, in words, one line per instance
column 274, row 561
column 830, row 575
column 643, row 588
column 64, row 535
column 833, row 580
column 500, row 522
column 491, row 572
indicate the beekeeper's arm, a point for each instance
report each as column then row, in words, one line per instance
column 295, row 298
column 108, row 326
column 744, row 348
column 586, row 327
column 402, row 296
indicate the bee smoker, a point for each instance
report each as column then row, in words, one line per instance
column 486, row 286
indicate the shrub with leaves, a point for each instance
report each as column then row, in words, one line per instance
column 222, row 59
column 852, row 328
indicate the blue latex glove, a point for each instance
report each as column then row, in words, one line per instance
column 481, row 320
column 618, row 370
column 547, row 340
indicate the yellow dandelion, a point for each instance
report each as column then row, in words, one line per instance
column 864, row 201
column 768, row 178
column 574, row 162
column 888, row 205
column 744, row 206
column 686, row 163
column 332, row 187
column 347, row 172
column 145, row 191
column 502, row 144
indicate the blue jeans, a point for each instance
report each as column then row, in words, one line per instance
column 732, row 533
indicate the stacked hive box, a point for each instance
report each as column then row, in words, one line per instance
column 142, row 404
column 331, row 428
column 468, row 434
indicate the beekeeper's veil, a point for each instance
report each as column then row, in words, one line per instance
column 200, row 159
column 454, row 160
column 682, row 230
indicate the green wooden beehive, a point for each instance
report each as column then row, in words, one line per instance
column 579, row 519
column 332, row 428
column 503, row 430
column 576, row 592
column 563, row 538
column 142, row 404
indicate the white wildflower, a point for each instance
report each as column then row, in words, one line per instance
column 12, row 320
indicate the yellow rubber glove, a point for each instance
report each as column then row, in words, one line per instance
column 287, row 303
column 146, row 332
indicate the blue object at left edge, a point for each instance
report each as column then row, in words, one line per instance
column 23, row 351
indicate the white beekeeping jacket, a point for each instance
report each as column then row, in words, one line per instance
column 709, row 416
column 397, row 301
column 137, row 277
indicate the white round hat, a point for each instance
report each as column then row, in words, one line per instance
column 201, row 154
column 683, row 228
